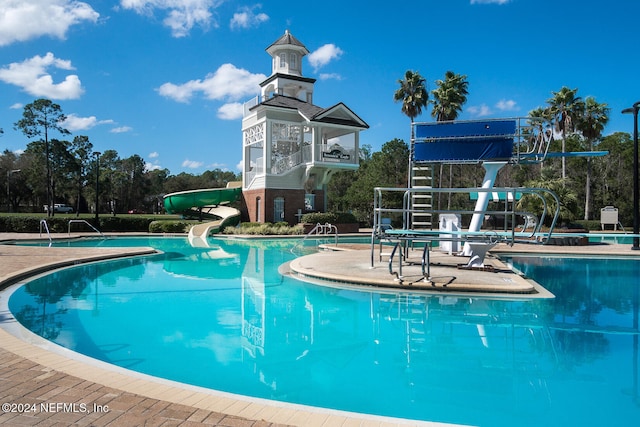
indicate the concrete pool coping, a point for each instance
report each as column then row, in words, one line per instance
column 350, row 265
column 33, row 370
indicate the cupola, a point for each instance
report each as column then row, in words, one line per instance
column 287, row 53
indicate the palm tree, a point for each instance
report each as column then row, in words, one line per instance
column 591, row 124
column 413, row 94
column 448, row 98
column 565, row 106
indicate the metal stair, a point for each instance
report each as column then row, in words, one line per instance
column 422, row 201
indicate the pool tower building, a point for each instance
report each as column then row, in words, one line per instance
column 292, row 147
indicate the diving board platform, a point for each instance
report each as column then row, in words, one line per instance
column 512, row 140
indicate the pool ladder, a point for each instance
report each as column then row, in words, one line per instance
column 82, row 221
column 43, row 224
column 325, row 229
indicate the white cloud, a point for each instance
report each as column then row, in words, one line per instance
column 75, row 123
column 231, row 111
column 227, row 83
column 154, row 155
column 330, row 76
column 239, row 165
column 220, row 166
column 480, row 111
column 121, row 129
column 507, row 105
column 323, row 55
column 192, row 164
column 32, row 76
column 490, row 1
column 247, row 17
column 22, row 20
column 181, row 15
column 151, row 166
column 16, row 106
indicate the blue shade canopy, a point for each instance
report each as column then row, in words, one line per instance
column 464, row 141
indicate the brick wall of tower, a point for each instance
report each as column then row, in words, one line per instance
column 293, row 200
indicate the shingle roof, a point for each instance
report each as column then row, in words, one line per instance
column 312, row 112
column 287, row 39
column 308, row 110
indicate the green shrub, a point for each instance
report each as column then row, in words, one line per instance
column 30, row 223
column 264, row 229
column 346, row 218
column 121, row 223
column 329, row 217
column 170, row 226
column 593, row 225
column 319, row 218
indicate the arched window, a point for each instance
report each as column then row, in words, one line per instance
column 258, row 209
column 293, row 63
column 283, row 60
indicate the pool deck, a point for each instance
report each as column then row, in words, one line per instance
column 350, row 265
column 36, row 372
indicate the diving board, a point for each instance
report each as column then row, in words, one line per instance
column 465, row 141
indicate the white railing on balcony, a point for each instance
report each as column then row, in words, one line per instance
column 287, row 163
column 256, row 170
column 250, row 104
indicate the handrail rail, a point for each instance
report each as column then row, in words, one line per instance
column 407, row 234
column 320, row 230
column 82, row 221
column 510, row 211
column 46, row 227
column 405, row 210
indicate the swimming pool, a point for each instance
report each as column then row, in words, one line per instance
column 572, row 360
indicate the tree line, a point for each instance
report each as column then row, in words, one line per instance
column 69, row 171
column 583, row 184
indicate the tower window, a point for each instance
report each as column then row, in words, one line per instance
column 294, row 61
column 283, row 60
column 258, row 209
column 278, row 209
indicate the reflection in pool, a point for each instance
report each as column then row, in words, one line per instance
column 224, row 318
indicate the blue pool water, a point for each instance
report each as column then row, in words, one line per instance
column 224, row 318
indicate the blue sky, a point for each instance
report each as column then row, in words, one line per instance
column 165, row 79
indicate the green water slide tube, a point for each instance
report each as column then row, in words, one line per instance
column 184, row 201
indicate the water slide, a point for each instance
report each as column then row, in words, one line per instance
column 209, row 202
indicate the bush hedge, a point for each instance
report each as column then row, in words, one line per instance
column 60, row 224
column 264, row 229
column 170, row 226
column 329, row 217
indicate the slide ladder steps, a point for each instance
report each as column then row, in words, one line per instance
column 422, row 202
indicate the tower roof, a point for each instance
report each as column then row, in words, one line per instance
column 287, row 40
column 339, row 114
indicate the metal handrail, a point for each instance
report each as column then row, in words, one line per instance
column 43, row 222
column 510, row 212
column 82, row 221
column 320, row 230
